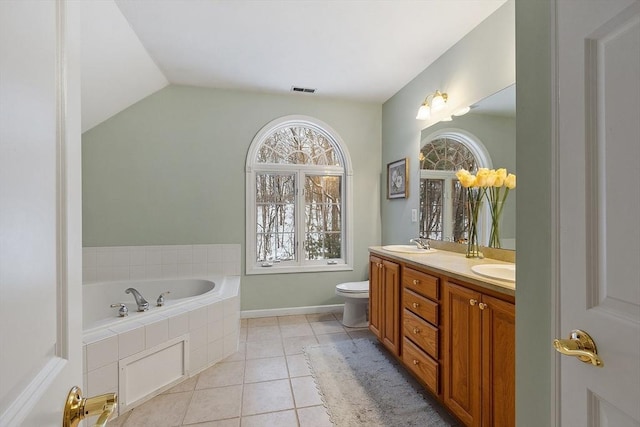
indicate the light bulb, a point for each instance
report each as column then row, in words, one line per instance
column 424, row 112
column 462, row 111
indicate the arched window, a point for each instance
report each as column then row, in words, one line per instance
column 298, row 179
column 442, row 200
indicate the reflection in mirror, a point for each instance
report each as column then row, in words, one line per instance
column 484, row 137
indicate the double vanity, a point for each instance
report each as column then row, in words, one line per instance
column 450, row 321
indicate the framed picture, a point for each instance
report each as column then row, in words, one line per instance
column 398, row 179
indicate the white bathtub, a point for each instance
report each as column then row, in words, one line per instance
column 97, row 298
column 145, row 353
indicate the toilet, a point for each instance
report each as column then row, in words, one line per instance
column 356, row 303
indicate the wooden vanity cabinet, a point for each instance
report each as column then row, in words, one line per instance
column 479, row 356
column 420, row 332
column 384, row 302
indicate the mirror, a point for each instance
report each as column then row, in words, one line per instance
column 484, row 137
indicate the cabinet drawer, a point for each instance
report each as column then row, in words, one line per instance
column 420, row 332
column 421, row 306
column 422, row 283
column 423, row 366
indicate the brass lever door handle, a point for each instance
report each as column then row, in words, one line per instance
column 580, row 345
column 77, row 408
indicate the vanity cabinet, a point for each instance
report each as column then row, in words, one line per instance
column 479, row 356
column 384, row 302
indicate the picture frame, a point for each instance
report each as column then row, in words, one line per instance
column 398, row 179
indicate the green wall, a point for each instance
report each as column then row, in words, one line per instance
column 480, row 64
column 171, row 170
column 535, row 245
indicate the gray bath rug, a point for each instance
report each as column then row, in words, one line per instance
column 361, row 386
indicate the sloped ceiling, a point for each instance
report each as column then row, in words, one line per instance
column 117, row 70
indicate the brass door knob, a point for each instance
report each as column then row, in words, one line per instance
column 416, row 331
column 473, row 302
column 416, row 281
column 415, row 305
column 580, row 345
column 77, row 407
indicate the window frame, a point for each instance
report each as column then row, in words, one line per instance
column 252, row 267
column 483, row 160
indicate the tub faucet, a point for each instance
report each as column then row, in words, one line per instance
column 421, row 243
column 143, row 305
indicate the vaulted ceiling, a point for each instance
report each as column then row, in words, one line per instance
column 364, row 50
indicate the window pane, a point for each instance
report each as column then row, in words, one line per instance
column 275, row 217
column 460, row 212
column 446, row 154
column 323, row 217
column 298, row 145
column 431, row 208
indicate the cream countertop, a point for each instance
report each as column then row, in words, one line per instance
column 452, row 264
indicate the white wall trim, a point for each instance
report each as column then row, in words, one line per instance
column 289, row 311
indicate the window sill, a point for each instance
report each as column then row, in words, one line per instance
column 297, row 269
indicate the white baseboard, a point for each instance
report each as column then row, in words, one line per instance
column 250, row 314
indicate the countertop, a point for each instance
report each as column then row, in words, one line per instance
column 452, row 264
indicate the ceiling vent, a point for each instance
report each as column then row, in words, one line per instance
column 302, row 89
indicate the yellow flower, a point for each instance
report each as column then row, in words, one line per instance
column 466, row 179
column 510, row 181
column 501, row 174
column 481, row 177
column 491, row 178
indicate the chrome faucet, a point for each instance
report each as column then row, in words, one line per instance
column 143, row 305
column 421, row 243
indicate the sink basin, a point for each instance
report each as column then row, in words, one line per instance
column 408, row 249
column 505, row 272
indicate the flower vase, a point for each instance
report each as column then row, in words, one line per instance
column 473, row 204
column 494, row 236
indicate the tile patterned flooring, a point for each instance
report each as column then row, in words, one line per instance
column 266, row 383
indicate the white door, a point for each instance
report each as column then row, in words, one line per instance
column 40, row 211
column 598, row 122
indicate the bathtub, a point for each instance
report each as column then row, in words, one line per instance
column 146, row 353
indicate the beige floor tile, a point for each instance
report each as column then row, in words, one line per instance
column 214, row 404
column 262, row 321
column 272, row 419
column 239, row 355
column 327, row 327
column 272, row 368
column 298, row 366
column 305, row 392
column 165, row 410
column 263, row 333
column 314, row 416
column 244, row 322
column 231, row 422
column 269, row 396
column 330, row 338
column 320, row 317
column 294, row 345
column 260, row 349
column 296, row 330
column 243, row 334
column 187, row 385
column 292, row 320
column 221, row 375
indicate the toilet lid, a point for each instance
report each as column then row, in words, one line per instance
column 354, row 287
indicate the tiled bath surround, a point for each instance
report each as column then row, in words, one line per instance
column 104, row 264
column 208, row 329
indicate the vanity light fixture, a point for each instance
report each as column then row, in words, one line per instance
column 462, row 111
column 432, row 103
column 446, row 119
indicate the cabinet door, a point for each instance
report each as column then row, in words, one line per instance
column 462, row 353
column 498, row 362
column 375, row 295
column 391, row 306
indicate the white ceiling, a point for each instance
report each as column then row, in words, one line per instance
column 362, row 50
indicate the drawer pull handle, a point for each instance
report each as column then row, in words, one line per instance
column 415, row 305
column 416, row 330
column 473, row 301
column 482, row 306
column 416, row 281
column 415, row 362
